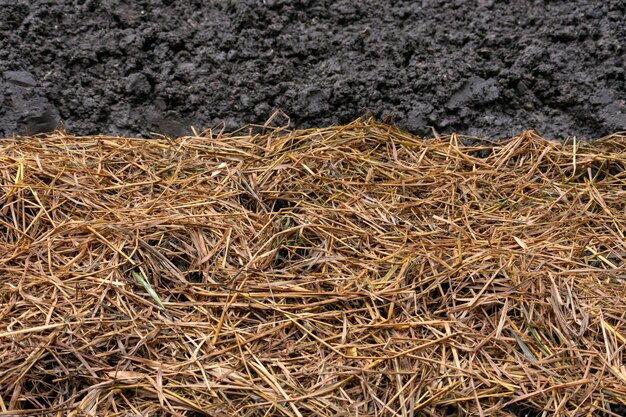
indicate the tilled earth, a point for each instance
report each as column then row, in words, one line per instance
column 486, row 68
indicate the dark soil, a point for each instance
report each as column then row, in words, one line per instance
column 486, row 68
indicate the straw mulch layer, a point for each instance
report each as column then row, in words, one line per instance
column 347, row 271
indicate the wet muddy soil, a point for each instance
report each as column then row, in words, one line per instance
column 486, row 68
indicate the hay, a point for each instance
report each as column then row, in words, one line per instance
column 353, row 270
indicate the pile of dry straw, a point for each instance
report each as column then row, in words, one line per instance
column 348, row 271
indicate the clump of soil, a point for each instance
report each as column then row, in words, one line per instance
column 484, row 68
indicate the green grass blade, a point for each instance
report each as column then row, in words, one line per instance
column 148, row 288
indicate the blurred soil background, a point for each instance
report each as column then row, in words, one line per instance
column 483, row 68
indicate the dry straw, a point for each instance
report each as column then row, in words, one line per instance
column 348, row 271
